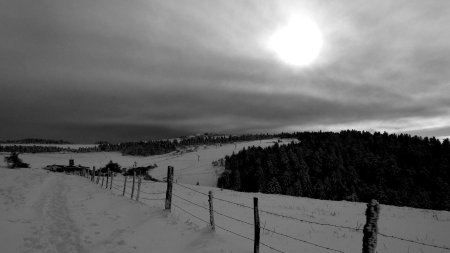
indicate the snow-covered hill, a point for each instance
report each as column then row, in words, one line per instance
column 191, row 165
column 49, row 212
column 42, row 211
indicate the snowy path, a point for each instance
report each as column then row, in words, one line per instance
column 53, row 229
column 37, row 215
column 49, row 212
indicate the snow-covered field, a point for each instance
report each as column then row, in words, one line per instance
column 49, row 212
column 42, row 211
column 190, row 167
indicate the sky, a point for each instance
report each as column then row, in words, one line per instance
column 117, row 70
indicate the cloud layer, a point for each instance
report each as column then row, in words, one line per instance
column 120, row 70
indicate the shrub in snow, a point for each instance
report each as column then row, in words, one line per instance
column 113, row 167
column 14, row 161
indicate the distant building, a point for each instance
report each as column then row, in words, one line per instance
column 71, row 168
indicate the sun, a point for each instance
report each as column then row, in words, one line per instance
column 298, row 42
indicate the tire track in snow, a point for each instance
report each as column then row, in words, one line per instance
column 54, row 230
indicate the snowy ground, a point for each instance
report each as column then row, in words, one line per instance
column 51, row 212
column 190, row 167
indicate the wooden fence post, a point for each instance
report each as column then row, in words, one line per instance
column 139, row 188
column 371, row 228
column 134, row 180
column 257, row 227
column 112, row 177
column 107, row 179
column 169, row 188
column 124, row 185
column 211, row 211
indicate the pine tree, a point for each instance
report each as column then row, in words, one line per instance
column 273, row 187
column 236, row 180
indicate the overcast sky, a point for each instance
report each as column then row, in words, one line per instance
column 90, row 70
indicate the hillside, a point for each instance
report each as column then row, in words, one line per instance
column 398, row 170
column 50, row 212
column 136, row 148
column 188, row 167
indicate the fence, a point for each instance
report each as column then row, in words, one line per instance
column 370, row 230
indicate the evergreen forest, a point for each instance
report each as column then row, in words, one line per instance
column 396, row 169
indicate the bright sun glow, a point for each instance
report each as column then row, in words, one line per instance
column 298, row 42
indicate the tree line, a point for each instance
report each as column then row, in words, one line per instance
column 36, row 141
column 210, row 139
column 141, row 148
column 147, row 148
column 400, row 170
column 32, row 149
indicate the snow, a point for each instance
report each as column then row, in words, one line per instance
column 188, row 168
column 42, row 211
column 50, row 212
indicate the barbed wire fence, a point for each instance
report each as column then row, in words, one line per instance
column 370, row 230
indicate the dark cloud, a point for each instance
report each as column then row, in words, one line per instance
column 89, row 70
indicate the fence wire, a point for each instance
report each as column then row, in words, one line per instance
column 150, row 182
column 234, row 203
column 232, row 218
column 152, row 193
column 207, row 222
column 151, row 199
column 116, row 188
column 129, row 186
column 301, row 240
column 417, row 242
column 225, row 229
column 310, row 222
column 191, row 189
column 193, row 203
